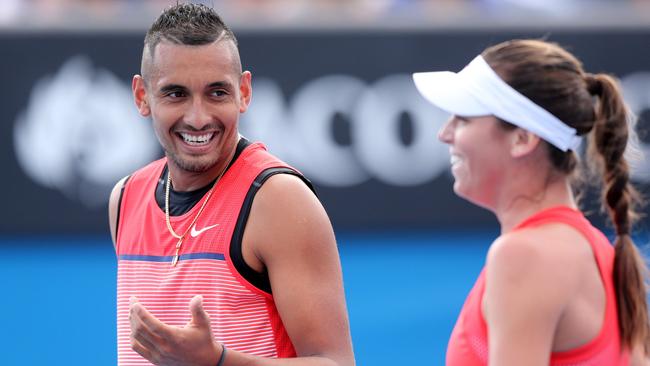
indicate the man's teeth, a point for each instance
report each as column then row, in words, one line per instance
column 197, row 139
column 454, row 159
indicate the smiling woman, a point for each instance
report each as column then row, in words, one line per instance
column 477, row 148
column 554, row 291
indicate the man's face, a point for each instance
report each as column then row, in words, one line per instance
column 194, row 95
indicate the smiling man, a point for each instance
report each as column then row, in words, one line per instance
column 225, row 255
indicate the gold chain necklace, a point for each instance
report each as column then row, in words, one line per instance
column 169, row 224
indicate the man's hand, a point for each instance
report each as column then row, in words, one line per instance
column 166, row 345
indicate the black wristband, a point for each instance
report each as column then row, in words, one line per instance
column 223, row 355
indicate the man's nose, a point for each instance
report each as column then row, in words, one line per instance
column 198, row 115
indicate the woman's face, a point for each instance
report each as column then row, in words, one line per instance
column 479, row 150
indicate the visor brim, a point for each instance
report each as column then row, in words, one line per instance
column 447, row 91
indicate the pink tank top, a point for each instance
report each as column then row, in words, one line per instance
column 468, row 345
column 243, row 317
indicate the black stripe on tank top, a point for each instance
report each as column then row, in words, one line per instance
column 119, row 206
column 257, row 279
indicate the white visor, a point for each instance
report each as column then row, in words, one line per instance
column 478, row 91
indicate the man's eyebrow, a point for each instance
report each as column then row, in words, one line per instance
column 220, row 84
column 172, row 87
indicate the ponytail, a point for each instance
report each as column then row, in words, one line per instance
column 555, row 80
column 608, row 143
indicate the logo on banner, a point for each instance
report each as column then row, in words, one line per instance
column 300, row 130
column 80, row 133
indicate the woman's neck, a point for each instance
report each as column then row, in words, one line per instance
column 532, row 197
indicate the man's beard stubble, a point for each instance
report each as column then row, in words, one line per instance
column 191, row 166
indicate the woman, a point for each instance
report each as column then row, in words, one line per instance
column 554, row 291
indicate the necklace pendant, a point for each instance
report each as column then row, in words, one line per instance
column 178, row 249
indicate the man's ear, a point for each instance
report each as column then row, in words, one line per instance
column 140, row 96
column 245, row 91
column 523, row 142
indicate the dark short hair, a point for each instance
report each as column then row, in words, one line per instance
column 188, row 24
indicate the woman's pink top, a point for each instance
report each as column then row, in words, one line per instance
column 468, row 345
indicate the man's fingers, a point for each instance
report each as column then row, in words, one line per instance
column 155, row 326
column 143, row 340
column 199, row 316
column 143, row 351
column 143, row 336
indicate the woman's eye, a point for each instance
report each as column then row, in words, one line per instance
column 461, row 121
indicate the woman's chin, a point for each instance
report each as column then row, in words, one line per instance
column 466, row 194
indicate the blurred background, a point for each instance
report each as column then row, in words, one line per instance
column 332, row 95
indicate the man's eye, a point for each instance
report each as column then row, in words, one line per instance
column 219, row 93
column 176, row 94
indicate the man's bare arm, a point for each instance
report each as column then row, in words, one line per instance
column 289, row 233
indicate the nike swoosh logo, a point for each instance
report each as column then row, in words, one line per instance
column 194, row 233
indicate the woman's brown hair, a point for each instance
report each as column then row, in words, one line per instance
column 592, row 104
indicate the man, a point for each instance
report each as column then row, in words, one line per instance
column 219, row 223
